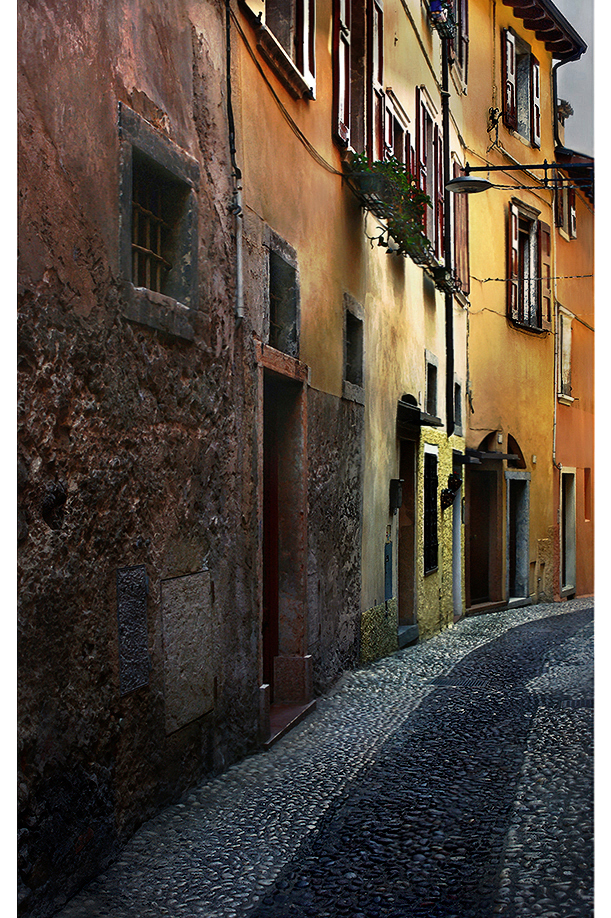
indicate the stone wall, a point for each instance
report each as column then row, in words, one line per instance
column 131, row 453
column 335, row 432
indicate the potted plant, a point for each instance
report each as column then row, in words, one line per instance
column 388, row 190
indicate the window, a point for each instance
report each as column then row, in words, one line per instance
column 460, row 204
column 565, row 389
column 457, row 408
column 431, row 384
column 566, row 209
column 431, row 547
column 429, row 168
column 354, row 349
column 529, row 293
column 287, row 36
column 283, row 298
column 158, row 203
column 158, row 229
column 461, row 40
column 349, row 73
column 522, row 88
column 375, row 140
column 397, row 140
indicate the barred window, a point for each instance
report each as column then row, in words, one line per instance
column 150, row 231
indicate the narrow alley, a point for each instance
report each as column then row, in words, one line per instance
column 452, row 779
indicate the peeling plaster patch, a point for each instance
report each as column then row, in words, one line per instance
column 188, row 657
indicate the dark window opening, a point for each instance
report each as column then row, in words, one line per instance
column 587, row 494
column 354, row 350
column 283, row 306
column 159, row 203
column 431, row 389
column 431, row 547
column 457, row 405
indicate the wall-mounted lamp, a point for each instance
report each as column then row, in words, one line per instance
column 472, row 184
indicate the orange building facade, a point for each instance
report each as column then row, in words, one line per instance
column 574, row 378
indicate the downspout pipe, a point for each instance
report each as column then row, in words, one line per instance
column 236, row 205
column 448, row 253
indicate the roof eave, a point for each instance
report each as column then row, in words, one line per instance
column 549, row 25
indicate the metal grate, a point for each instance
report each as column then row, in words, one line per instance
column 149, row 231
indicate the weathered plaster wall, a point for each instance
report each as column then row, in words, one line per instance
column 335, row 434
column 435, row 602
column 130, row 443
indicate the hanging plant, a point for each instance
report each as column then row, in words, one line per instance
column 389, row 191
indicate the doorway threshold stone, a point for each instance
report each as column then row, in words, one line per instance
column 407, row 634
column 283, row 717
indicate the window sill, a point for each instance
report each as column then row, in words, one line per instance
column 282, row 65
column 155, row 310
column 565, row 399
column 523, row 326
column 566, row 236
column 353, row 393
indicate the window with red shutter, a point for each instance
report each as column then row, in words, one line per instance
column 461, row 236
column 509, row 79
column 426, row 172
column 439, row 193
column 376, row 80
column 529, row 287
column 572, row 212
column 461, row 41
column 535, row 102
column 566, row 210
column 545, row 275
column 342, row 22
column 513, row 280
column 521, row 88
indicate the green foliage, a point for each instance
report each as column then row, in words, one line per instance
column 399, row 201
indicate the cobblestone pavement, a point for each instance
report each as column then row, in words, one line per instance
column 452, row 779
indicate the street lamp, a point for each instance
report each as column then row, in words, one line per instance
column 472, row 184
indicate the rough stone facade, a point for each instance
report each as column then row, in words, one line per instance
column 131, row 448
column 140, row 445
column 335, row 456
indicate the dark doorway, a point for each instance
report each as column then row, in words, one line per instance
column 270, row 533
column 283, row 523
column 518, row 537
column 407, row 535
column 482, row 535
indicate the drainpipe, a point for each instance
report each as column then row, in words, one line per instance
column 447, row 233
column 235, row 207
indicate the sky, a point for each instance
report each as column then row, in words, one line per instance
column 576, row 80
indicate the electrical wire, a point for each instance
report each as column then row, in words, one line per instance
column 287, row 116
column 503, row 280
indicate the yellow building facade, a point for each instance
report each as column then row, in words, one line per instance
column 509, row 124
column 297, row 131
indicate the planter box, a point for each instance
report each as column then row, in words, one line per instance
column 373, row 191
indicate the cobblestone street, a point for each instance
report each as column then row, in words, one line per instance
column 452, row 779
